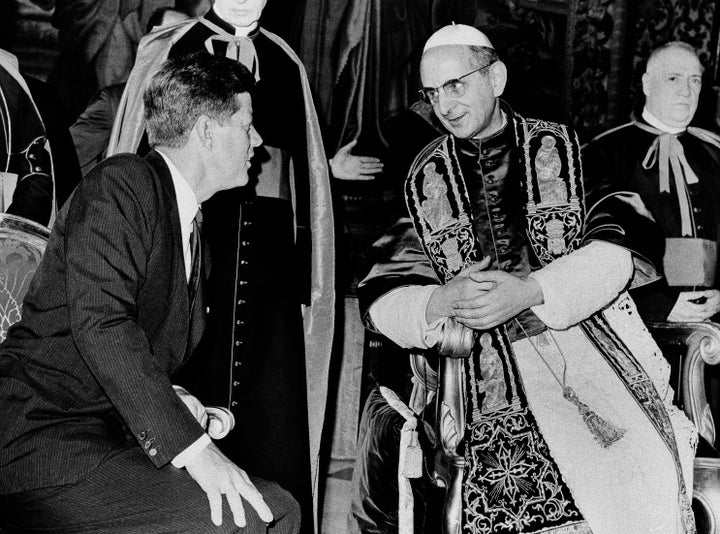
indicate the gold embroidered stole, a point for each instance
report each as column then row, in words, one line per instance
column 511, row 482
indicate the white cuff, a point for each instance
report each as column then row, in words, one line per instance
column 182, row 459
column 400, row 316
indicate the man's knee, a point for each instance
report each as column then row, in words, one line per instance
column 284, row 507
column 290, row 514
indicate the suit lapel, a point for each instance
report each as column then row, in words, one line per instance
column 179, row 293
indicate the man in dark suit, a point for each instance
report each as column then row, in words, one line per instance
column 93, row 435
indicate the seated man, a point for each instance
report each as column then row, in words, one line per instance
column 95, row 438
column 674, row 169
column 554, row 409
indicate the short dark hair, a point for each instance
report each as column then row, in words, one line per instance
column 187, row 87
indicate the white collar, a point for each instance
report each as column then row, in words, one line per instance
column 186, row 199
column 652, row 120
column 245, row 31
column 503, row 123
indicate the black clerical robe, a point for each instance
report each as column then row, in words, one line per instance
column 613, row 162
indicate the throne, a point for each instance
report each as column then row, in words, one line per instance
column 690, row 347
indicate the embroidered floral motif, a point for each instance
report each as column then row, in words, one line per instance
column 512, row 484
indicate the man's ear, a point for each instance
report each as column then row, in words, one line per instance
column 646, row 84
column 204, row 130
column 498, row 78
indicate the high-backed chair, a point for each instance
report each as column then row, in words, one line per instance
column 690, row 347
column 22, row 244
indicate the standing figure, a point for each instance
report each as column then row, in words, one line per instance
column 548, row 167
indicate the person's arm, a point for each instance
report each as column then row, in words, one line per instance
column 582, row 283
column 400, row 315
column 561, row 294
column 91, row 130
column 110, row 230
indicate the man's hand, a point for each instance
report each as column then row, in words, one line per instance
column 346, row 166
column 195, row 406
column 707, row 304
column 461, row 287
column 218, row 476
column 507, row 296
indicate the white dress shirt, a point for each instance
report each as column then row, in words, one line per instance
column 187, row 208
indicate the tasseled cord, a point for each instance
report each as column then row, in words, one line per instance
column 410, row 460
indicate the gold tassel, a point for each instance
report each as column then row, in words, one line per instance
column 602, row 430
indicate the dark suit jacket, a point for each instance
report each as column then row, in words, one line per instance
column 105, row 326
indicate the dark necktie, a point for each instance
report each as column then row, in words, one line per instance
column 195, row 285
column 195, row 257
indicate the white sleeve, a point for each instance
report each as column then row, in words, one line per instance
column 579, row 284
column 400, row 316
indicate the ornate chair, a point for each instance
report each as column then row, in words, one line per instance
column 690, row 347
column 22, row 243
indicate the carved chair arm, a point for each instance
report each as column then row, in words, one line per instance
column 702, row 347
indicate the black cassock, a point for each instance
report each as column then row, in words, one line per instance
column 252, row 356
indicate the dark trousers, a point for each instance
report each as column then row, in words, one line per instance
column 126, row 494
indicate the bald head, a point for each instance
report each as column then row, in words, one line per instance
column 672, row 83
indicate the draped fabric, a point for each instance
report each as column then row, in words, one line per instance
column 373, row 49
column 607, row 45
column 98, row 41
column 596, row 75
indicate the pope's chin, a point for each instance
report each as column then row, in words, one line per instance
column 456, row 128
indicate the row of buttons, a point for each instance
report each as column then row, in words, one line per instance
column 238, row 333
column 147, row 445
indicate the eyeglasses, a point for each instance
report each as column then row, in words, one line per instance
column 454, row 88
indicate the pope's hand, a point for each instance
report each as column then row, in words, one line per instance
column 461, row 287
column 507, row 296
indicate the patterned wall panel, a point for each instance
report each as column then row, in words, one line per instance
column 609, row 41
column 594, row 58
column 660, row 21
